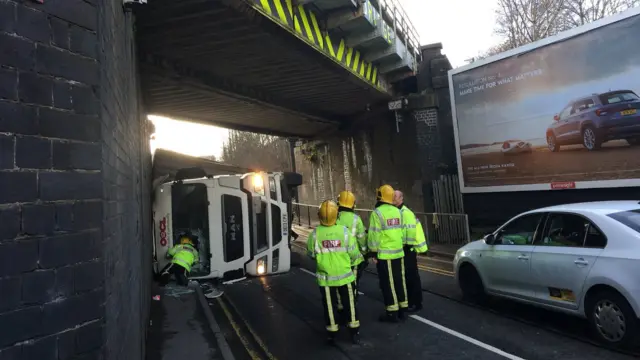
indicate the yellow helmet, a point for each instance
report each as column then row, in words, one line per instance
column 328, row 213
column 186, row 240
column 385, row 194
column 347, row 199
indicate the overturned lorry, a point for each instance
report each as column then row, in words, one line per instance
column 241, row 222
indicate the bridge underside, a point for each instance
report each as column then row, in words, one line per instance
column 223, row 63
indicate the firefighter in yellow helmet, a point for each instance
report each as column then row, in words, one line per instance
column 182, row 256
column 349, row 219
column 334, row 250
column 385, row 238
column 415, row 243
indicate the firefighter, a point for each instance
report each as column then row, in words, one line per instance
column 414, row 243
column 349, row 219
column 385, row 240
column 334, row 250
column 182, row 256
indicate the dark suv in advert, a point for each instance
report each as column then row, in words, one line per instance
column 595, row 119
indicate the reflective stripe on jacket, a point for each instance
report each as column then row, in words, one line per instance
column 414, row 234
column 386, row 233
column 334, row 250
column 354, row 223
column 184, row 255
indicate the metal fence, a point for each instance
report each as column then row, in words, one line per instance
column 440, row 228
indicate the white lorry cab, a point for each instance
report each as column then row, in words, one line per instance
column 241, row 223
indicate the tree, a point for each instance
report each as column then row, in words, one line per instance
column 256, row 151
column 521, row 22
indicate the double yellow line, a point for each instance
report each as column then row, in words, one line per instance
column 436, row 270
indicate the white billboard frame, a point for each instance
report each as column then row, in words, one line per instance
column 629, row 13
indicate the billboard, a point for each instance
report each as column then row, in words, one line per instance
column 561, row 113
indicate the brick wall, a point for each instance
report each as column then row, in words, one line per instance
column 126, row 174
column 375, row 154
column 58, row 185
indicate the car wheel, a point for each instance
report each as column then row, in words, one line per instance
column 551, row 142
column 612, row 319
column 590, row 138
column 471, row 283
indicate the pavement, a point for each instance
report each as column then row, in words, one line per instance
column 279, row 318
column 182, row 327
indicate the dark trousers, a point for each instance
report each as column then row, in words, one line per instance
column 414, row 285
column 176, row 270
column 330, row 305
column 358, row 271
column 393, row 285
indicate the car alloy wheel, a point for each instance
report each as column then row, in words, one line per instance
column 609, row 320
column 551, row 141
column 589, row 138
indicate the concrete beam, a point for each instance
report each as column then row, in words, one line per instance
column 343, row 17
column 368, row 39
column 228, row 87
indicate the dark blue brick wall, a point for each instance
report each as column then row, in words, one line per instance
column 74, row 183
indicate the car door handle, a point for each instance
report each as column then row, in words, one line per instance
column 523, row 257
column 581, row 262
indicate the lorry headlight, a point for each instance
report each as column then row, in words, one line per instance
column 258, row 183
column 261, row 266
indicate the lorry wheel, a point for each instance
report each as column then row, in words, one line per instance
column 551, row 142
column 612, row 319
column 590, row 138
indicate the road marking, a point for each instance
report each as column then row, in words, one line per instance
column 436, row 270
column 307, row 271
column 236, row 329
column 466, row 338
column 449, row 331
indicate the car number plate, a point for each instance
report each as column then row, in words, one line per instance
column 628, row 112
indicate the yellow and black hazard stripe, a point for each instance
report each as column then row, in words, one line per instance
column 305, row 24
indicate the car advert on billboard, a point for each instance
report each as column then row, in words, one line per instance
column 561, row 113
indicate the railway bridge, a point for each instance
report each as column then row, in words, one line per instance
column 77, row 80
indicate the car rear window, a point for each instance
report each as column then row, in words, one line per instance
column 616, row 97
column 629, row 218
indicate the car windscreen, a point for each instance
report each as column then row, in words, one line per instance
column 618, row 97
column 630, row 218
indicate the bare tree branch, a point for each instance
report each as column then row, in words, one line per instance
column 520, row 22
column 256, row 151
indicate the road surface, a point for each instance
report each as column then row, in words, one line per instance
column 279, row 317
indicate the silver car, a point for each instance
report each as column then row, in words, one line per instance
column 582, row 259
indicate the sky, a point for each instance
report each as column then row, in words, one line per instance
column 464, row 27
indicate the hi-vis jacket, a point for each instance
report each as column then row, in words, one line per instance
column 184, row 255
column 414, row 234
column 334, row 250
column 386, row 233
column 354, row 223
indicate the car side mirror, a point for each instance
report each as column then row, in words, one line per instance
column 489, row 239
column 556, row 117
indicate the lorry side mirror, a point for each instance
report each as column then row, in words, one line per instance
column 556, row 117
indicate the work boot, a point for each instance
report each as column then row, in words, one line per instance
column 414, row 308
column 331, row 338
column 355, row 337
column 402, row 314
column 389, row 317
